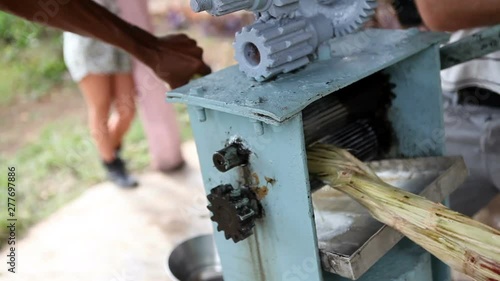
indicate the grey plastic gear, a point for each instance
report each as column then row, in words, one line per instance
column 275, row 8
column 287, row 32
column 347, row 16
column 281, row 7
column 265, row 49
column 223, row 7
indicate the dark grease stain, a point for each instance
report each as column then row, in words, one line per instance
column 259, row 259
column 258, row 265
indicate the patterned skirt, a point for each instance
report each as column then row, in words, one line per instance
column 84, row 55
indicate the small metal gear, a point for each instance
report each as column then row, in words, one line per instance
column 274, row 9
column 221, row 7
column 265, row 49
column 234, row 211
column 347, row 16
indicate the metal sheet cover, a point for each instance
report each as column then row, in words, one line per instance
column 353, row 58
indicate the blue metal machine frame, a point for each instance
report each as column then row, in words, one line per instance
column 267, row 117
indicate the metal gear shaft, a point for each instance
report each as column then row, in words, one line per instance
column 287, row 31
column 265, row 49
column 275, row 8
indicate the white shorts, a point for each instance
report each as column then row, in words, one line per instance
column 84, row 56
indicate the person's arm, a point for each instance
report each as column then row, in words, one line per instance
column 175, row 58
column 452, row 15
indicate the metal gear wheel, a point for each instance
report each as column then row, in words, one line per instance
column 265, row 49
column 234, row 211
column 347, row 16
column 223, row 7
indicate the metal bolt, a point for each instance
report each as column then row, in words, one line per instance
column 258, row 127
column 201, row 5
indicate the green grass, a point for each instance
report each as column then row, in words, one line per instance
column 31, row 73
column 62, row 162
column 30, row 59
column 58, row 167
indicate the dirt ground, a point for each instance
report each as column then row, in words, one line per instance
column 24, row 120
column 109, row 234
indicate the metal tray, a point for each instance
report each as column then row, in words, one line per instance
column 350, row 240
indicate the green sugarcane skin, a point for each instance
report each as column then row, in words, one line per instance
column 466, row 245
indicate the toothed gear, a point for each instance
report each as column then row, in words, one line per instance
column 274, row 8
column 234, row 211
column 265, row 49
column 347, row 16
column 222, row 7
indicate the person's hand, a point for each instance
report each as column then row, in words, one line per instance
column 177, row 59
column 385, row 16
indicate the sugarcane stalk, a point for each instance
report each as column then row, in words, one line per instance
column 464, row 244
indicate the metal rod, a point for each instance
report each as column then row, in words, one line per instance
column 233, row 155
column 475, row 46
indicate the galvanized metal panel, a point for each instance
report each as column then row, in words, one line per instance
column 354, row 57
column 284, row 245
column 416, row 114
column 406, row 261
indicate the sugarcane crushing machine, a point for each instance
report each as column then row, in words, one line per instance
column 305, row 76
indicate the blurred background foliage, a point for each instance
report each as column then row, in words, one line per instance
column 43, row 127
column 28, row 74
column 43, row 116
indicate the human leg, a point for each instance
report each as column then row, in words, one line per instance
column 97, row 91
column 124, row 102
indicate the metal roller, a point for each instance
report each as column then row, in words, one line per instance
column 354, row 118
column 368, row 99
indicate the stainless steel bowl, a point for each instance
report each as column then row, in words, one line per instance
column 196, row 259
